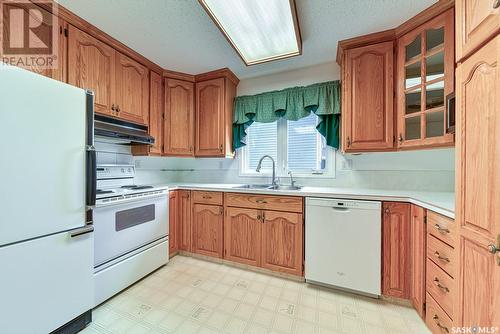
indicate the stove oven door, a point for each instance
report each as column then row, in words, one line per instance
column 121, row 228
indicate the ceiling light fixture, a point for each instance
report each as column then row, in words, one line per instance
column 259, row 30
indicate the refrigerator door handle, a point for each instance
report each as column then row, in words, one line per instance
column 81, row 231
column 91, row 176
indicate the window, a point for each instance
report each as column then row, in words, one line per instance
column 296, row 146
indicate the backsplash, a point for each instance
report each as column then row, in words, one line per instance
column 430, row 170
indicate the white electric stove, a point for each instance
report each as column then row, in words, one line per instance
column 131, row 230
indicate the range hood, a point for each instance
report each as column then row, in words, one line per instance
column 121, row 131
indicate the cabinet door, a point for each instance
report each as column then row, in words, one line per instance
column 242, row 235
column 367, row 121
column 396, row 249
column 426, row 70
column 417, row 258
column 185, row 230
column 282, row 242
column 156, row 113
column 179, row 118
column 91, row 65
column 48, row 27
column 207, row 229
column 478, row 187
column 477, row 21
column 210, row 118
column 132, row 90
column 173, row 221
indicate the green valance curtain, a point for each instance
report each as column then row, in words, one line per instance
column 292, row 104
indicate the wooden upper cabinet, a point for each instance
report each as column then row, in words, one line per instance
column 91, row 65
column 46, row 32
column 179, row 117
column 425, row 77
column 214, row 115
column 132, row 90
column 242, row 235
column 210, row 117
column 156, row 112
column 476, row 21
column 417, row 258
column 185, row 226
column 396, row 249
column 478, row 186
column 282, row 242
column 207, row 229
column 367, row 104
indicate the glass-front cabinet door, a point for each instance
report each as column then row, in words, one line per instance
column 425, row 77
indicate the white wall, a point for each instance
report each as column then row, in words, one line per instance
column 301, row 77
column 417, row 170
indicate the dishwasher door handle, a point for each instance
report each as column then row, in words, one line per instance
column 340, row 209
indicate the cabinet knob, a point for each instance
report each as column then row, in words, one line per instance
column 117, row 108
column 348, row 142
column 221, row 148
column 496, row 4
column 190, row 148
column 386, row 211
column 493, row 249
column 113, row 107
column 400, row 138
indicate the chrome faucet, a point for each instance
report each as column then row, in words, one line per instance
column 259, row 166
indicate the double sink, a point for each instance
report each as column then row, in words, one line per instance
column 268, row 187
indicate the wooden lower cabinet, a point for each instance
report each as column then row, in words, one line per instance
column 185, row 231
column 282, row 242
column 417, row 258
column 173, row 222
column 242, row 235
column 396, row 250
column 207, row 222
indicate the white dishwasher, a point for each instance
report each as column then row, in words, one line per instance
column 343, row 244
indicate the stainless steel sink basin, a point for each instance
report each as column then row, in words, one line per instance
column 254, row 186
column 286, row 187
column 268, row 186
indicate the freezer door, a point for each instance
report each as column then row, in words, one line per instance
column 42, row 142
column 46, row 282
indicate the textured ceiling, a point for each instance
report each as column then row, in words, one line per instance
column 179, row 35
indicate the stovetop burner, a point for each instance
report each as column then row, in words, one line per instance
column 102, row 192
column 135, row 187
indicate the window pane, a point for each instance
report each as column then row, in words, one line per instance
column 306, row 147
column 262, row 139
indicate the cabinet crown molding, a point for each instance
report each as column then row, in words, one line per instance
column 392, row 34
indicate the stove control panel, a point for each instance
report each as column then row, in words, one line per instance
column 115, row 171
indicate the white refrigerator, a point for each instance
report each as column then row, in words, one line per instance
column 47, row 192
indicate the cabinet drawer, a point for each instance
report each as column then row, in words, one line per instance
column 441, row 227
column 207, row 197
column 436, row 319
column 441, row 254
column 266, row 202
column 440, row 286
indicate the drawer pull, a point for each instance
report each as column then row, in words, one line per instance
column 439, row 285
column 261, row 201
column 441, row 229
column 442, row 258
column 207, row 197
column 441, row 327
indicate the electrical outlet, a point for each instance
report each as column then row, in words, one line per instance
column 347, row 164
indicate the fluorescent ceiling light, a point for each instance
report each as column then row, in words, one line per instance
column 259, row 30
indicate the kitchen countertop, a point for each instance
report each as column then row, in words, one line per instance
column 440, row 202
